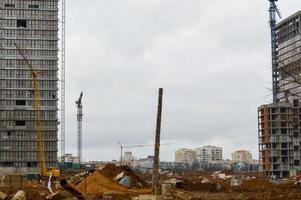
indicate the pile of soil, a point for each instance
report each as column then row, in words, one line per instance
column 198, row 185
column 256, row 185
column 111, row 171
column 97, row 183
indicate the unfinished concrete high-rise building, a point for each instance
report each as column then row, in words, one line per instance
column 279, row 138
column 289, row 57
column 33, row 26
column 279, row 129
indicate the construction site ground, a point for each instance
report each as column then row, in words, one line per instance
column 105, row 183
column 251, row 189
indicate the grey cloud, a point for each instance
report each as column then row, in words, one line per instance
column 211, row 57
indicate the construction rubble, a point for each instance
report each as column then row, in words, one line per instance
column 121, row 183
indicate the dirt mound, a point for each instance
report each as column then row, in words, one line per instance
column 97, row 183
column 198, row 185
column 256, row 185
column 111, row 171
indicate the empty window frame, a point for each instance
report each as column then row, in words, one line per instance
column 20, row 102
column 9, row 5
column 20, row 123
column 33, row 6
column 21, row 23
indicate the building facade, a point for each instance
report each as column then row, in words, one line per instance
column 279, row 122
column 289, row 57
column 279, row 138
column 33, row 26
column 209, row 153
column 242, row 156
column 185, row 156
column 128, row 156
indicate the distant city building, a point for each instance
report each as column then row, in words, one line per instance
column 185, row 156
column 146, row 163
column 69, row 158
column 209, row 153
column 242, row 156
column 215, row 165
column 128, row 156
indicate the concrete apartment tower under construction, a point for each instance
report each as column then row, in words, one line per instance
column 279, row 123
column 33, row 26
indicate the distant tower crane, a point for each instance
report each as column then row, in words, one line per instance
column 79, row 127
column 273, row 20
column 134, row 146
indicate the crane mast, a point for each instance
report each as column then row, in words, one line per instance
column 36, row 108
column 79, row 127
column 273, row 20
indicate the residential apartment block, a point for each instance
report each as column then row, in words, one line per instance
column 185, row 156
column 33, row 26
column 242, row 156
column 209, row 153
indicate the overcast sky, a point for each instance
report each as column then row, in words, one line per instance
column 211, row 57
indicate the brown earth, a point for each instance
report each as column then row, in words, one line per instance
column 111, row 171
column 97, row 183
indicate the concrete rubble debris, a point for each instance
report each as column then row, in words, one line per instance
column 150, row 197
column 125, row 181
column 166, row 189
column 20, row 195
column 173, row 181
column 119, row 176
column 236, row 182
column 3, row 196
column 61, row 195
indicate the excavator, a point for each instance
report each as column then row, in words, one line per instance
column 43, row 170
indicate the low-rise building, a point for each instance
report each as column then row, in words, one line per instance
column 69, row 158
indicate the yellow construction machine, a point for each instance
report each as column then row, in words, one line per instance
column 44, row 171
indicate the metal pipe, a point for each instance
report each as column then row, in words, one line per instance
column 69, row 187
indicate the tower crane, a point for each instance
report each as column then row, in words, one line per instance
column 134, row 146
column 273, row 20
column 52, row 171
column 79, row 126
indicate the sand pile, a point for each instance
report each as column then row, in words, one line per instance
column 97, row 183
column 112, row 171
